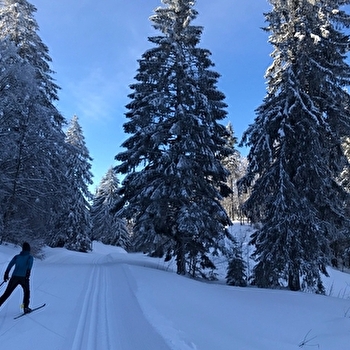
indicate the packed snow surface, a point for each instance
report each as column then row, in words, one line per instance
column 109, row 299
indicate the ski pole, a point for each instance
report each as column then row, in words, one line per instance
column 2, row 283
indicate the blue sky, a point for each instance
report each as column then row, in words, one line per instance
column 95, row 46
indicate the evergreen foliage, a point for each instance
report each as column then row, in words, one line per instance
column 107, row 227
column 174, row 178
column 235, row 163
column 17, row 23
column 74, row 227
column 296, row 155
column 340, row 247
column 345, row 175
column 236, row 275
column 32, row 141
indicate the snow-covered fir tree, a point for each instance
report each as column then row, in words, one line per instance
column 107, row 226
column 296, row 155
column 341, row 247
column 17, row 23
column 345, row 175
column 236, row 271
column 74, row 227
column 236, row 165
column 16, row 79
column 32, row 163
column 174, row 178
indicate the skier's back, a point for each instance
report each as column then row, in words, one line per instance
column 23, row 263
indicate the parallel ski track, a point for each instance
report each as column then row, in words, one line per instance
column 110, row 317
column 93, row 330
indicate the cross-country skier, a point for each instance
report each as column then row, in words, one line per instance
column 23, row 263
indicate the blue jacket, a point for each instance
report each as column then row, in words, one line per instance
column 23, row 264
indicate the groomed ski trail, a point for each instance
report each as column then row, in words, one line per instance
column 110, row 313
column 91, row 304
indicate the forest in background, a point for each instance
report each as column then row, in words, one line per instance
column 183, row 180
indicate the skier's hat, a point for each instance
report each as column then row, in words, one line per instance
column 26, row 247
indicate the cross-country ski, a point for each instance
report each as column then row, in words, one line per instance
column 29, row 312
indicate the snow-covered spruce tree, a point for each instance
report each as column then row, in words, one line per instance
column 107, row 227
column 17, row 23
column 345, row 175
column 296, row 155
column 18, row 75
column 74, row 228
column 235, row 164
column 236, row 271
column 31, row 126
column 341, row 247
column 174, row 178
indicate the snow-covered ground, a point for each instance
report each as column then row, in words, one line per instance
column 111, row 300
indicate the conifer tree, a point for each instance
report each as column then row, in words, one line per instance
column 296, row 155
column 236, row 275
column 74, row 227
column 107, row 227
column 234, row 163
column 17, row 23
column 33, row 162
column 174, row 178
column 340, row 245
column 16, row 79
column 345, row 175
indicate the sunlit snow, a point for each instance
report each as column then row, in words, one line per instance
column 109, row 299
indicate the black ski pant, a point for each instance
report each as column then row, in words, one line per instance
column 13, row 283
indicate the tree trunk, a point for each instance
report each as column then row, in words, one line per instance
column 180, row 258
column 294, row 280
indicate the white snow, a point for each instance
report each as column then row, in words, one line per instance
column 111, row 300
column 316, row 38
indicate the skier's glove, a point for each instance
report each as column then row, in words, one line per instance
column 27, row 274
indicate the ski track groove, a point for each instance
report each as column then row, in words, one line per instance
column 108, row 310
column 93, row 325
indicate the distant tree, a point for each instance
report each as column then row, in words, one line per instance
column 32, row 163
column 345, row 175
column 107, row 227
column 235, row 163
column 174, row 178
column 75, row 223
column 236, row 275
column 296, row 155
column 340, row 246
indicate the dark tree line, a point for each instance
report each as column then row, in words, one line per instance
column 39, row 162
column 45, row 166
